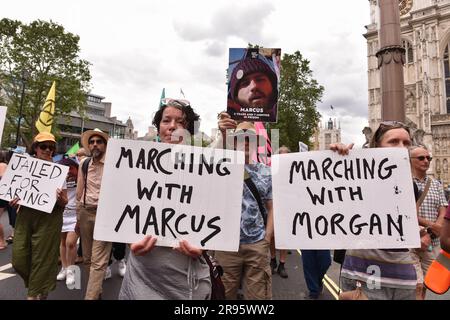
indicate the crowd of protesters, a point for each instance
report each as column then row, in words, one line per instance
column 43, row 240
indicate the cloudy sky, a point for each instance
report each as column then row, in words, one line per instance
column 139, row 47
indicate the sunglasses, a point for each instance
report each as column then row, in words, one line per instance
column 45, row 146
column 421, row 158
column 97, row 141
column 175, row 102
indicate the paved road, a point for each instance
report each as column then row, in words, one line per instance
column 292, row 288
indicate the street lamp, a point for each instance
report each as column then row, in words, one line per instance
column 24, row 80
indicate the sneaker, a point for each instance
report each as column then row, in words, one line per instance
column 273, row 265
column 70, row 277
column 122, row 267
column 108, row 273
column 281, row 271
column 61, row 275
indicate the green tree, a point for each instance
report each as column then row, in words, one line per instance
column 32, row 56
column 299, row 94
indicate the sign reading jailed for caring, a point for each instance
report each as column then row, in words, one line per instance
column 32, row 180
column 173, row 192
column 365, row 200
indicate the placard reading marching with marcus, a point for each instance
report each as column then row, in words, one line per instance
column 170, row 191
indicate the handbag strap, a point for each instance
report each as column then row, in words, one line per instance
column 249, row 182
column 424, row 194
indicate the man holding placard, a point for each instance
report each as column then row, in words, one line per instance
column 37, row 232
column 95, row 253
column 251, row 264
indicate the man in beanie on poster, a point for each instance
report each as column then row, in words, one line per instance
column 253, row 91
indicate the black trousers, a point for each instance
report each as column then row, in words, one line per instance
column 117, row 251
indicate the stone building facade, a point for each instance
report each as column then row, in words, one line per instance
column 425, row 32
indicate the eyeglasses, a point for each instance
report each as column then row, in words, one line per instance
column 45, row 146
column 421, row 158
column 97, row 141
column 175, row 102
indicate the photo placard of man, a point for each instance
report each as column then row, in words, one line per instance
column 253, row 84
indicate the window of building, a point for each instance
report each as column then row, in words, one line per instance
column 447, row 78
column 327, row 139
column 409, row 54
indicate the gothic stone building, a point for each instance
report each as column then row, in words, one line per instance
column 425, row 32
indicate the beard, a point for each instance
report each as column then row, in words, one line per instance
column 96, row 153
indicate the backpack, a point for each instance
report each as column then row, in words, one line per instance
column 84, row 169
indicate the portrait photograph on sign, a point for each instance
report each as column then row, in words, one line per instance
column 173, row 192
column 365, row 200
column 253, row 84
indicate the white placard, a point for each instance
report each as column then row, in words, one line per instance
column 170, row 191
column 2, row 120
column 361, row 201
column 33, row 180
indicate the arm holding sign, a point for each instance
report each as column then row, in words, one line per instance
column 61, row 197
column 225, row 123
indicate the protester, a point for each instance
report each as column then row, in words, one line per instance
column 162, row 272
column 36, row 241
column 3, row 203
column 95, row 253
column 251, row 264
column 278, row 268
column 398, row 278
column 68, row 245
column 431, row 213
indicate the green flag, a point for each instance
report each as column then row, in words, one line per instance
column 163, row 95
column 74, row 149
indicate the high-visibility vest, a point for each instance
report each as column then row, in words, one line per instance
column 438, row 275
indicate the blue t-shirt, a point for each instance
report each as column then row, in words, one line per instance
column 252, row 223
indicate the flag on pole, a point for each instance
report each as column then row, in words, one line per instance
column 74, row 149
column 182, row 93
column 163, row 95
column 45, row 120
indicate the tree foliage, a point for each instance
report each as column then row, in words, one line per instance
column 299, row 94
column 32, row 56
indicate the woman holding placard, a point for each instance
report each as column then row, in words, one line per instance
column 380, row 274
column 162, row 272
column 37, row 233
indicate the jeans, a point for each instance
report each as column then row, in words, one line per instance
column 315, row 266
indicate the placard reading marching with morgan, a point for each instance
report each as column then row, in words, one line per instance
column 173, row 192
column 361, row 201
column 32, row 180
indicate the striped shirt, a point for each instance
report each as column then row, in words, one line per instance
column 396, row 268
column 434, row 200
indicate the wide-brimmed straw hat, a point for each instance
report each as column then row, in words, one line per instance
column 89, row 133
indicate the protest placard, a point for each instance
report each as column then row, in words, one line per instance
column 32, row 180
column 253, row 84
column 170, row 191
column 2, row 120
column 365, row 200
